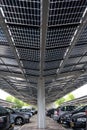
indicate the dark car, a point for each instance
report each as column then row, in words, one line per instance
column 6, row 120
column 78, row 120
column 50, row 112
column 65, row 118
column 61, row 110
column 19, row 117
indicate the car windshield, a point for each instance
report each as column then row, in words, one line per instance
column 3, row 111
column 68, row 108
column 79, row 108
column 10, row 110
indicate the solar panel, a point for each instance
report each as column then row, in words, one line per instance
column 30, row 64
column 67, row 69
column 3, row 40
column 32, row 72
column 83, row 37
column 14, row 69
column 59, row 36
column 65, row 12
column 49, row 72
column 83, row 59
column 6, row 51
column 9, row 61
column 21, row 11
column 72, row 61
column 55, row 54
column 25, row 37
column 25, row 26
column 3, row 67
column 79, row 50
column 51, row 65
column 79, row 66
column 29, row 54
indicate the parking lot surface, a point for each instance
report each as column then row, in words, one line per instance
column 51, row 125
column 17, row 127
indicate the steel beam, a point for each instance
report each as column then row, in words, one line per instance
column 5, row 29
column 43, row 33
column 76, row 36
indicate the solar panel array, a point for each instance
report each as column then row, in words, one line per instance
column 20, row 57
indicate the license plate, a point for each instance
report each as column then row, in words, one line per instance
column 72, row 124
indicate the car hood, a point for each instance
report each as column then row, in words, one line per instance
column 80, row 114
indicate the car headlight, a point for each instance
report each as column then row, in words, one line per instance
column 81, row 119
column 26, row 116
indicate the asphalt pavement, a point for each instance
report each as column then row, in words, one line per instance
column 17, row 127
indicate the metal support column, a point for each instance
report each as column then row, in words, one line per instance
column 41, row 104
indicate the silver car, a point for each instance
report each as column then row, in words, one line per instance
column 19, row 117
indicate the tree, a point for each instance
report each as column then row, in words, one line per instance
column 10, row 99
column 18, row 103
column 69, row 97
column 60, row 101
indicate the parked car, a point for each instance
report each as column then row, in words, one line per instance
column 65, row 118
column 50, row 112
column 61, row 110
column 78, row 120
column 27, row 111
column 6, row 120
column 19, row 117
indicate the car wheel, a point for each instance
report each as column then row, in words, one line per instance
column 19, row 121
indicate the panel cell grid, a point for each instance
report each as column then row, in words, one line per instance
column 78, row 50
column 83, row 37
column 6, row 51
column 49, row 72
column 55, row 54
column 10, row 61
column 52, row 65
column 64, row 12
column 67, row 69
column 29, row 54
column 30, row 64
column 21, row 11
column 60, row 36
column 72, row 61
column 14, row 69
column 25, row 37
column 3, row 40
column 32, row 72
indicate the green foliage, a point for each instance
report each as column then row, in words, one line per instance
column 70, row 97
column 60, row 101
column 18, row 103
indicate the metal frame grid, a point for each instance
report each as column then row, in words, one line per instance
column 42, row 39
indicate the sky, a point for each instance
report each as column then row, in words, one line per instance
column 82, row 91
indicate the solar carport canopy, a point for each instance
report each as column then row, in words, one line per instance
column 42, row 39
